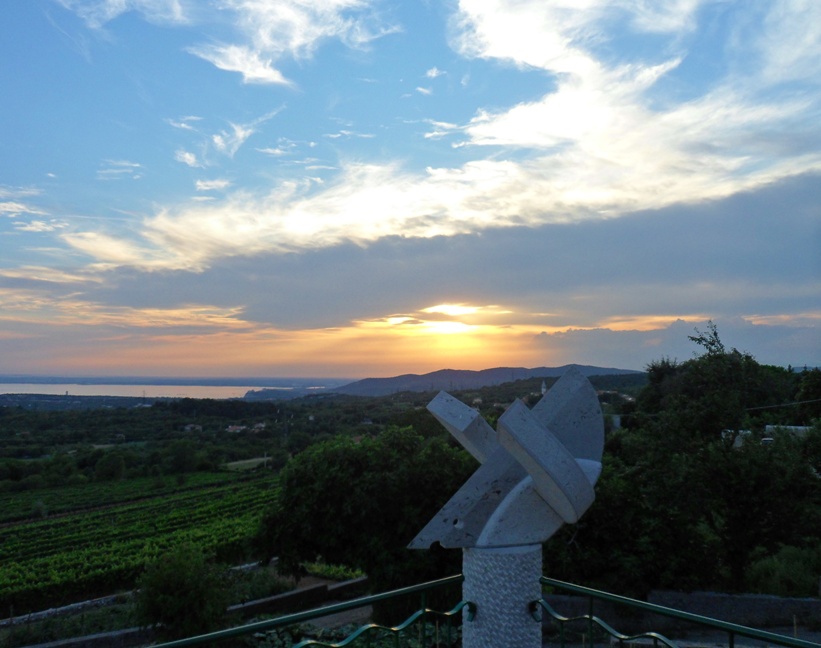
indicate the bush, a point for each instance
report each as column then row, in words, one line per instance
column 790, row 572
column 182, row 594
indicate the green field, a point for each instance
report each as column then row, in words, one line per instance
column 104, row 542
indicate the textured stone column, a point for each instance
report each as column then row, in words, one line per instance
column 502, row 581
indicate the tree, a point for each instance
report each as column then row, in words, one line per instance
column 359, row 503
column 109, row 467
column 809, row 395
column 680, row 504
column 182, row 594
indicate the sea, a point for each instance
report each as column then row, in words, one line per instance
column 163, row 388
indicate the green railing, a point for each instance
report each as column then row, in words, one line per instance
column 421, row 618
column 425, row 621
column 732, row 630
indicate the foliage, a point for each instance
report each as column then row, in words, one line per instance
column 182, row 594
column 686, row 499
column 322, row 569
column 53, row 628
column 252, row 584
column 791, row 571
column 71, row 557
column 809, row 396
column 359, row 503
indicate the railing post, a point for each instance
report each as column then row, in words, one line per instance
column 424, row 624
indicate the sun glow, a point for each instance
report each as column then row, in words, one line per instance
column 451, row 310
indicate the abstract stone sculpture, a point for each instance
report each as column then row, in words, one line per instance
column 538, row 471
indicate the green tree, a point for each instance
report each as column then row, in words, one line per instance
column 681, row 502
column 359, row 504
column 109, row 467
column 182, row 594
column 809, row 395
column 181, row 456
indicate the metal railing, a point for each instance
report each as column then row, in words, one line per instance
column 732, row 630
column 420, row 617
column 421, row 620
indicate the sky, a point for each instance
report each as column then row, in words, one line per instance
column 366, row 188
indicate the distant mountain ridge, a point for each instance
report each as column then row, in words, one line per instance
column 455, row 379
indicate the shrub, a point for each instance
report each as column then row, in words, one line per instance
column 790, row 572
column 182, row 594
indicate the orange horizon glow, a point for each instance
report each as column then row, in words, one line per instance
column 78, row 338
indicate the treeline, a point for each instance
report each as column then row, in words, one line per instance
column 693, row 495
column 697, row 494
column 44, row 448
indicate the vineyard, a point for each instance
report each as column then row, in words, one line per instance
column 105, row 546
column 15, row 507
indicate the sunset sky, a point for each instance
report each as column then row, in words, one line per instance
column 353, row 188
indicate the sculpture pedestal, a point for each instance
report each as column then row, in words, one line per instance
column 502, row 582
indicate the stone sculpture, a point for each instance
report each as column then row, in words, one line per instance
column 537, row 472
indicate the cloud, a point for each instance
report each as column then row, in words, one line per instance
column 272, row 32
column 41, row 226
column 210, row 185
column 108, row 250
column 345, row 133
column 225, row 142
column 788, row 42
column 229, row 142
column 99, row 12
column 44, row 274
column 604, row 140
column 599, row 144
column 14, row 208
column 187, row 157
column 275, row 151
column 237, row 58
column 118, row 170
column 184, row 123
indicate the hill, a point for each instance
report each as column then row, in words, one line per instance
column 456, row 379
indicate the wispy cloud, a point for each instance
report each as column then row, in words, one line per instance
column 188, row 158
column 277, row 151
column 119, row 169
column 17, row 192
column 253, row 65
column 225, row 142
column 441, row 129
column 266, row 33
column 346, row 133
column 14, row 208
column 271, row 32
column 230, row 141
column 32, row 307
column 211, row 185
column 598, row 143
column 185, row 123
column 98, row 12
column 50, row 275
column 41, row 226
